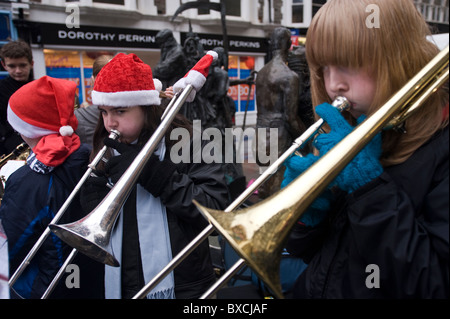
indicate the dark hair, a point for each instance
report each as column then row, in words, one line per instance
column 15, row 50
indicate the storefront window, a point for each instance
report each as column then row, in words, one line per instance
column 7, row 33
column 74, row 66
column 297, row 11
column 240, row 67
column 233, row 8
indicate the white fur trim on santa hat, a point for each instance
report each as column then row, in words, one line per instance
column 196, row 79
column 180, row 85
column 126, row 98
column 25, row 128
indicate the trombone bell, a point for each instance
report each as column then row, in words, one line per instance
column 88, row 238
column 255, row 233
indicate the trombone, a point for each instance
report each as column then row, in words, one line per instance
column 91, row 235
column 114, row 135
column 257, row 233
column 74, row 252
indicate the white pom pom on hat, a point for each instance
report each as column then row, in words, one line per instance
column 66, row 130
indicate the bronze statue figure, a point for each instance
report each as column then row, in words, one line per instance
column 277, row 96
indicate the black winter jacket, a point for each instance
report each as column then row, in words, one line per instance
column 30, row 202
column 388, row 239
column 206, row 184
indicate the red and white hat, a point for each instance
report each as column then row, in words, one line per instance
column 44, row 109
column 197, row 75
column 126, row 81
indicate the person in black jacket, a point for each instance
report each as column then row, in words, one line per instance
column 17, row 60
column 159, row 218
column 381, row 229
column 35, row 192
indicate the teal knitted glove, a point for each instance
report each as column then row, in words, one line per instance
column 316, row 212
column 365, row 166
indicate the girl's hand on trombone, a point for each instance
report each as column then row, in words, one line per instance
column 365, row 166
column 154, row 176
column 117, row 165
column 169, row 92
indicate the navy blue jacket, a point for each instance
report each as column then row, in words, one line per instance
column 30, row 202
column 396, row 226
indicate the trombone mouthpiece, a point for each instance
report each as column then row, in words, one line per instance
column 341, row 103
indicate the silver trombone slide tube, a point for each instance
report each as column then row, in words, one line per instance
column 114, row 135
column 224, row 279
column 341, row 103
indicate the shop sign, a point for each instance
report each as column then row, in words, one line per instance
column 236, row 44
column 59, row 34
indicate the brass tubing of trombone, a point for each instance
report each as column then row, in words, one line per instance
column 91, row 235
column 341, row 103
column 258, row 233
column 21, row 148
column 114, row 135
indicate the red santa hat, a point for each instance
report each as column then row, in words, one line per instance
column 126, row 81
column 42, row 108
column 197, row 75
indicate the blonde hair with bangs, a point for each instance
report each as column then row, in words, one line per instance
column 393, row 52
